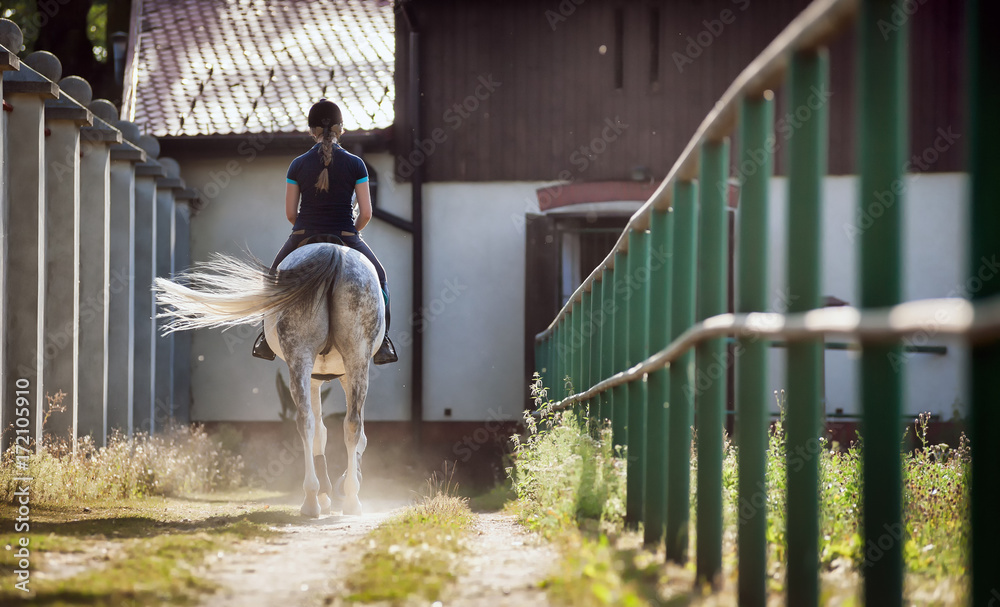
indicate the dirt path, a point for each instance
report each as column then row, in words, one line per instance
column 303, row 566
column 308, row 563
column 505, row 565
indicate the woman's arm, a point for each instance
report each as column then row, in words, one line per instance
column 292, row 202
column 364, row 206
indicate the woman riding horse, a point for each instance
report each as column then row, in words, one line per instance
column 320, row 185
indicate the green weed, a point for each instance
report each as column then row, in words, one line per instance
column 563, row 472
column 414, row 555
column 563, row 469
column 184, row 459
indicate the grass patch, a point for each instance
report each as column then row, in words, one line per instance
column 414, row 555
column 143, row 550
column 182, row 460
column 570, row 485
column 596, row 572
column 102, row 529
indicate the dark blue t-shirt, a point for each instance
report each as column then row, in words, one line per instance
column 329, row 211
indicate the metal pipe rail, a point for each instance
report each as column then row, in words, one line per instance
column 977, row 323
column 651, row 315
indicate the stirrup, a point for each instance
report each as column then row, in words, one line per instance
column 386, row 353
column 261, row 349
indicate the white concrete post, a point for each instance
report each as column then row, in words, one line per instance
column 64, row 117
column 166, row 187
column 121, row 286
column 95, row 206
column 144, row 415
column 10, row 39
column 26, row 91
column 182, row 340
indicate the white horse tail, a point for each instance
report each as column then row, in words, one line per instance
column 226, row 291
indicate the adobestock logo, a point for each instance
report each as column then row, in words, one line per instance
column 697, row 44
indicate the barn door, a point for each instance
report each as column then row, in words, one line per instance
column 541, row 283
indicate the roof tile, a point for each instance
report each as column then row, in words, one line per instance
column 203, row 66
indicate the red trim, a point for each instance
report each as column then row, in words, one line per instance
column 7, row 107
column 594, row 191
column 557, row 196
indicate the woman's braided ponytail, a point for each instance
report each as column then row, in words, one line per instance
column 326, row 152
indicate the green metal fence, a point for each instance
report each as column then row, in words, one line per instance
column 633, row 335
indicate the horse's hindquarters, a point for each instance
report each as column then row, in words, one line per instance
column 331, row 363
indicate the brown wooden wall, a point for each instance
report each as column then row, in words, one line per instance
column 557, row 92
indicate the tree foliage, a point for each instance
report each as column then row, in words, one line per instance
column 76, row 31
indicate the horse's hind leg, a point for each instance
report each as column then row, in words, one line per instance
column 355, row 383
column 299, row 371
column 319, row 450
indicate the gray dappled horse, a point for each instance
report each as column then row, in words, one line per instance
column 324, row 315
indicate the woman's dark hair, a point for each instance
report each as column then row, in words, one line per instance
column 325, row 115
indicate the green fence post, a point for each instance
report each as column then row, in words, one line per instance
column 554, row 369
column 755, row 162
column 597, row 319
column 882, row 148
column 561, row 360
column 661, row 227
column 571, row 340
column 550, row 362
column 583, row 368
column 608, row 341
column 560, row 383
column 574, row 351
column 683, row 262
column 638, row 349
column 564, row 368
column 551, row 383
column 581, row 363
column 806, row 169
column 713, row 270
column 984, row 129
column 619, row 394
column 576, row 346
column 586, row 323
column 539, row 359
column 567, row 328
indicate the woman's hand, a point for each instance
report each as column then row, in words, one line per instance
column 292, row 202
column 364, row 206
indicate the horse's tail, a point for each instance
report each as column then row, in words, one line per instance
column 227, row 291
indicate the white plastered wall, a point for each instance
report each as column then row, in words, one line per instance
column 474, row 299
column 934, row 256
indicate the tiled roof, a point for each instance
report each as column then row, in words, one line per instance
column 216, row 67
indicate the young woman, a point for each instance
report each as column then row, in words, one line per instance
column 320, row 185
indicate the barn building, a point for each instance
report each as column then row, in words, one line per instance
column 508, row 144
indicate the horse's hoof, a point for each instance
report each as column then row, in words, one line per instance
column 354, row 508
column 310, row 508
column 337, row 504
column 325, row 503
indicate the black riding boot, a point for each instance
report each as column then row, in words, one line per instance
column 261, row 349
column 386, row 352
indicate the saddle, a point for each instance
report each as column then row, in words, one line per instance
column 327, row 238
